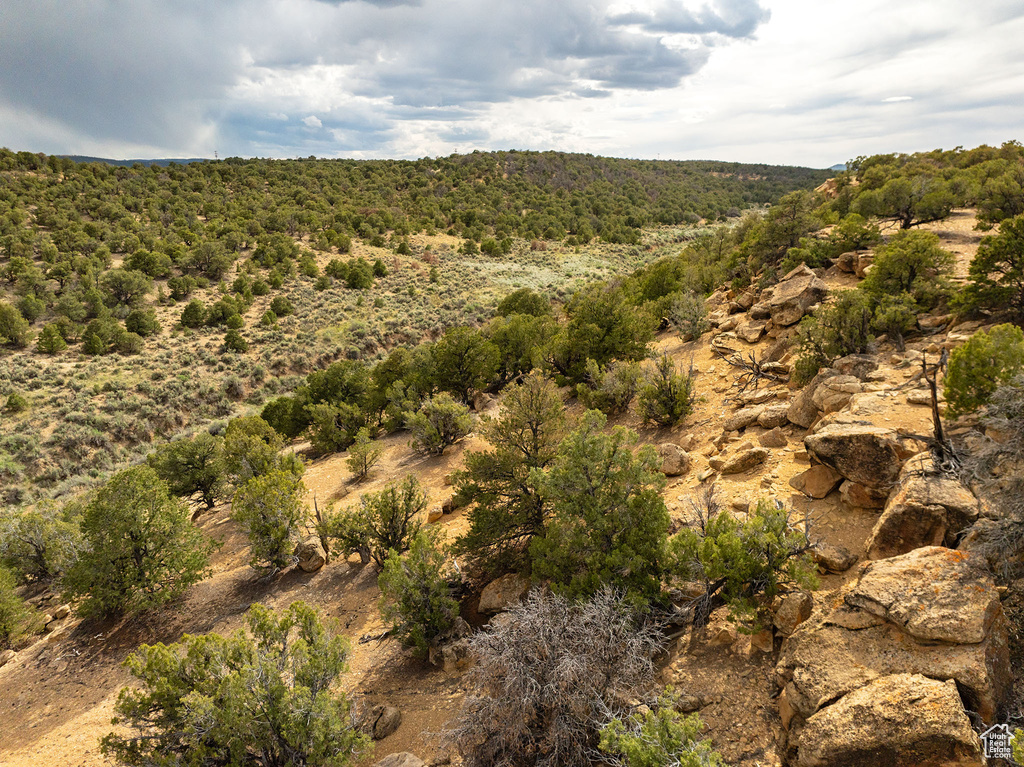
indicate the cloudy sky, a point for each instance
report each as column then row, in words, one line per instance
column 809, row 82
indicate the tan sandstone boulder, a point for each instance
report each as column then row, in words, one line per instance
column 927, row 509
column 902, row 720
column 861, row 452
column 794, row 295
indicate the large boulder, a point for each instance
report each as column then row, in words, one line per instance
column 934, row 612
column 817, row 481
column 741, row 419
column 861, row 452
column 751, row 332
column 857, row 365
column 401, row 759
column 803, row 411
column 835, row 393
column 502, row 593
column 310, row 554
column 745, row 460
column 674, row 460
column 927, row 509
column 380, row 721
column 794, row 295
column 898, row 720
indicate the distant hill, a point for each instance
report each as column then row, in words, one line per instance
column 838, row 166
column 164, row 162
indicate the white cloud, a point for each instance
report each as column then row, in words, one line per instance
column 312, row 122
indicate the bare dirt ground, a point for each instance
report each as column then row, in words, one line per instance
column 57, row 696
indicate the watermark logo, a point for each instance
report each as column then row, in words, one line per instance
column 997, row 741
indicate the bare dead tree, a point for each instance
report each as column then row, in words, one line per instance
column 548, row 677
column 754, row 370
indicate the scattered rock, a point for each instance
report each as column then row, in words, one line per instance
column 774, row 438
column 482, row 402
column 794, row 295
column 62, row 612
column 847, row 262
column 311, row 555
column 794, row 610
column 434, row 514
column 773, row 416
column 450, row 504
column 835, row 393
column 927, row 509
column 762, row 642
column 862, row 497
column 725, row 637
column 745, row 461
column 751, row 332
column 402, row 759
column 860, row 366
column 6, row 657
column 860, row 452
column 380, row 721
column 902, row 720
column 817, row 481
column 833, row 558
column 759, row 311
column 922, row 397
column 864, row 261
column 741, row 419
column 456, row 657
column 674, row 460
column 802, row 410
column 745, row 300
column 502, row 593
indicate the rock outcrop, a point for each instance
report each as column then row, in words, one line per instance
column 902, row 720
column 933, row 612
column 927, row 509
column 794, row 295
column 401, row 759
column 501, row 593
column 817, row 481
column 861, row 452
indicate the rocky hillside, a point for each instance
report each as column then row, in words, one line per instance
column 902, row 653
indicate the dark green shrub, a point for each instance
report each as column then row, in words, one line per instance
column 50, row 341
column 43, row 542
column 741, row 563
column 416, row 600
column 235, row 342
column 385, row 522
column 610, row 389
column 142, row 322
column 524, row 301
column 15, row 615
column 192, row 467
column 610, row 523
column 980, row 366
column 913, row 263
column 16, row 403
column 839, row 328
column 270, row 508
column 997, row 271
column 508, row 507
column 267, row 694
column 360, row 274
column 141, row 550
column 194, row 314
column 894, row 316
column 658, row 735
column 13, row 327
column 363, row 454
column 440, row 422
column 281, row 306
column 667, row 395
column 464, row 361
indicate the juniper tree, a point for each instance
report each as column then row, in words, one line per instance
column 610, row 523
column 509, row 509
column 141, row 550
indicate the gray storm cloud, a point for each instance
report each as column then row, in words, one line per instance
column 161, row 73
